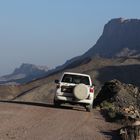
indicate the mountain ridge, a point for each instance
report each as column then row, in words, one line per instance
column 25, row 73
column 118, row 34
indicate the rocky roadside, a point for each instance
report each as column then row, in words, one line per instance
column 120, row 103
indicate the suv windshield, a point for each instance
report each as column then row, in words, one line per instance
column 76, row 79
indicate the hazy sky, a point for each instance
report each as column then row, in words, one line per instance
column 49, row 32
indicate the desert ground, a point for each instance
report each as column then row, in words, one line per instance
column 38, row 121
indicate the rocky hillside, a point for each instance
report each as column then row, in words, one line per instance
column 120, row 100
column 100, row 70
column 25, row 73
column 120, row 38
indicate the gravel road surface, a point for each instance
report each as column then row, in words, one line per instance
column 45, row 122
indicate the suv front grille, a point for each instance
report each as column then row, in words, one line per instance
column 68, row 89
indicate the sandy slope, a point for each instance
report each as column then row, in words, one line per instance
column 44, row 122
column 101, row 70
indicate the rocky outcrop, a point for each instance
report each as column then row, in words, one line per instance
column 119, row 98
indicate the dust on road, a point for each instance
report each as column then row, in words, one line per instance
column 29, row 122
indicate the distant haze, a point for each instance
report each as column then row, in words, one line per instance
column 49, row 32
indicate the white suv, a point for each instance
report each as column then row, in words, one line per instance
column 74, row 88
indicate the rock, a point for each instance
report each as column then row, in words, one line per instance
column 122, row 98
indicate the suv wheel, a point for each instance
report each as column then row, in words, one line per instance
column 89, row 108
column 56, row 103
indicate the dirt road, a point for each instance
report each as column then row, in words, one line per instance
column 44, row 122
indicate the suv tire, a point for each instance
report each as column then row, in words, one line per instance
column 88, row 108
column 56, row 103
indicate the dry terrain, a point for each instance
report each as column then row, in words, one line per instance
column 44, row 122
column 101, row 70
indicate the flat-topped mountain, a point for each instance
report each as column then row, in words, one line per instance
column 25, row 73
column 120, row 38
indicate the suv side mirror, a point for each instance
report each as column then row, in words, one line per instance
column 94, row 85
column 56, row 81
